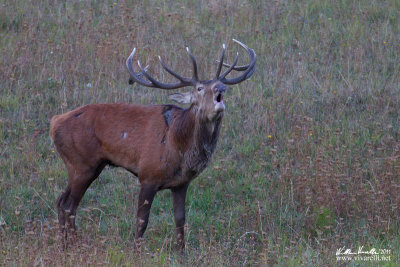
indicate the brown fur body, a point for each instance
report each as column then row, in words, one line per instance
column 159, row 144
column 165, row 146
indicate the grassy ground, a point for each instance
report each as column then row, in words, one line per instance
column 308, row 160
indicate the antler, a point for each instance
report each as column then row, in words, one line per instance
column 248, row 69
column 156, row 84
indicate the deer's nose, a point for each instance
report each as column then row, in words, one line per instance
column 220, row 88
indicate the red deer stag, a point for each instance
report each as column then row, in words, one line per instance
column 165, row 146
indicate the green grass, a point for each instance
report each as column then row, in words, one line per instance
column 308, row 159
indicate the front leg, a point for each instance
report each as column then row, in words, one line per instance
column 146, row 196
column 179, row 196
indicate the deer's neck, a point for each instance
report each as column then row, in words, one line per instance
column 206, row 135
column 197, row 138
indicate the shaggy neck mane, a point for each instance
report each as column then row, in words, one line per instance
column 194, row 132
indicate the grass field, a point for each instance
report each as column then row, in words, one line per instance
column 308, row 160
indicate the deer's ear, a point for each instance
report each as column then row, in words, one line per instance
column 183, row 98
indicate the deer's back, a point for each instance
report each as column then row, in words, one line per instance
column 131, row 136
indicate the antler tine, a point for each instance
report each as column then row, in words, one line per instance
column 195, row 75
column 139, row 74
column 230, row 67
column 163, row 85
column 247, row 72
column 173, row 73
column 135, row 77
column 250, row 73
column 238, row 68
column 153, row 82
column 221, row 61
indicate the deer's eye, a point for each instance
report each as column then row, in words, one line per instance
column 199, row 88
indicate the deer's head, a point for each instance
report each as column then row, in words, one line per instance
column 207, row 96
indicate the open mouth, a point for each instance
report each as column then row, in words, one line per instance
column 219, row 102
column 219, row 98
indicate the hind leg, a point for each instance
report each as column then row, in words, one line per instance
column 67, row 203
column 61, row 214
